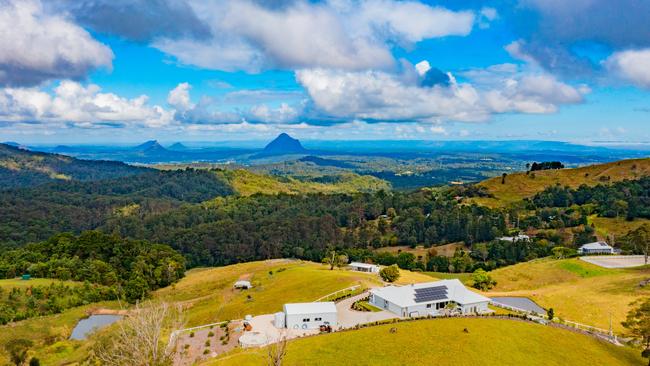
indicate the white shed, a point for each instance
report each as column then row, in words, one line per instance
column 599, row 247
column 310, row 315
column 364, row 267
column 243, row 285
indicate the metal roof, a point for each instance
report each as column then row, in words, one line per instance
column 405, row 296
column 363, row 265
column 310, row 308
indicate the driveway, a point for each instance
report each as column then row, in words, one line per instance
column 348, row 318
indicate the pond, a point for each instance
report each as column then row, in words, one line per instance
column 520, row 303
column 92, row 323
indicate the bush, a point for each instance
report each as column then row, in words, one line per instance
column 482, row 280
column 210, row 334
column 390, row 273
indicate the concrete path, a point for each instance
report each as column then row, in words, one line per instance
column 348, row 318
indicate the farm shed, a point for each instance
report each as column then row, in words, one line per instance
column 309, row 315
column 243, row 285
column 599, row 247
column 431, row 298
column 364, row 267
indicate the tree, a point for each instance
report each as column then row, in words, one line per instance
column 406, row 260
column 34, row 362
column 139, row 338
column 562, row 252
column 638, row 323
column 277, row 351
column 17, row 349
column 335, row 260
column 638, row 241
column 390, row 273
column 550, row 313
column 482, row 280
column 503, row 178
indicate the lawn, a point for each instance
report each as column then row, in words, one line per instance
column 576, row 290
column 463, row 277
column 17, row 282
column 209, row 295
column 444, row 342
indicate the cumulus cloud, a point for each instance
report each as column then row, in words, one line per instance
column 631, row 65
column 553, row 31
column 179, row 97
column 381, row 96
column 80, row 106
column 139, row 20
column 37, row 46
column 343, row 34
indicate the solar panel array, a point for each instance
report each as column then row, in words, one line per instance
column 430, row 293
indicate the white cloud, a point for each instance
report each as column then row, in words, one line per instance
column 179, row 97
column 376, row 95
column 282, row 114
column 342, row 34
column 72, row 103
column 631, row 65
column 36, row 46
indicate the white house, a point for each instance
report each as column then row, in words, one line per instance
column 308, row 315
column 519, row 237
column 429, row 298
column 243, row 285
column 364, row 267
column 599, row 247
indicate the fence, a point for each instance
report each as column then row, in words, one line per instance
column 333, row 294
column 608, row 335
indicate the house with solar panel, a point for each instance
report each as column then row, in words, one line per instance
column 432, row 298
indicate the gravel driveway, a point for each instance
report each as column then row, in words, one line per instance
column 348, row 318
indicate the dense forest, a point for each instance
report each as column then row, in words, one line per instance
column 23, row 168
column 628, row 198
column 34, row 214
column 236, row 229
column 130, row 268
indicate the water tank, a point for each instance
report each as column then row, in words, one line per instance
column 279, row 320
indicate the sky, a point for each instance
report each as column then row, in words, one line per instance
column 118, row 71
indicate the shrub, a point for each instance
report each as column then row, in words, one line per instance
column 390, row 273
column 207, row 343
column 210, row 334
column 482, row 280
column 191, row 334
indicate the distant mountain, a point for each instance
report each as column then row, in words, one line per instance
column 177, row 146
column 283, row 145
column 149, row 146
column 23, row 168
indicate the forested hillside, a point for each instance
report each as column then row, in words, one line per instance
column 34, row 214
column 22, row 168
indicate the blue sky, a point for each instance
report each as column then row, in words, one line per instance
column 95, row 71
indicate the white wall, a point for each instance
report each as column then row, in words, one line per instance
column 295, row 321
column 479, row 307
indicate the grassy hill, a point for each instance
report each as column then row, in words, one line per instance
column 443, row 342
column 209, row 296
column 521, row 185
column 576, row 290
column 22, row 168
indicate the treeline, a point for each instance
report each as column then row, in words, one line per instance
column 131, row 268
column 487, row 256
column 34, row 214
column 628, row 198
column 19, row 303
column 238, row 229
column 546, row 165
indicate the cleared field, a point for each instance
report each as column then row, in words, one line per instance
column 520, row 185
column 17, row 282
column 446, row 250
column 209, row 296
column 576, row 290
column 443, row 342
column 617, row 261
column 617, row 227
column 407, row 277
column 463, row 277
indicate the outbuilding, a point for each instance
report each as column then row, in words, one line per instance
column 243, row 285
column 512, row 239
column 309, row 315
column 364, row 267
column 599, row 247
column 431, row 298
